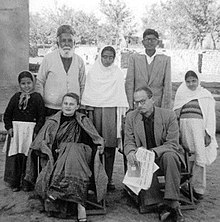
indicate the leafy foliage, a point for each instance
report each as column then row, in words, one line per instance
column 87, row 26
column 185, row 22
column 119, row 18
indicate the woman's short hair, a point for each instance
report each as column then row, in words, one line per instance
column 146, row 89
column 25, row 74
column 109, row 48
column 150, row 32
column 73, row 95
column 191, row 73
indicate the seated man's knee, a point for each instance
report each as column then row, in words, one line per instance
column 170, row 157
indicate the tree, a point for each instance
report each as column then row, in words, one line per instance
column 105, row 34
column 39, row 29
column 187, row 21
column 214, row 21
column 43, row 26
column 86, row 26
column 198, row 12
column 119, row 18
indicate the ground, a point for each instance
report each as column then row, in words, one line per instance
column 18, row 207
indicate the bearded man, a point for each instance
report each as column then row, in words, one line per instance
column 61, row 71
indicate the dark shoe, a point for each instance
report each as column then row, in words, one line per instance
column 177, row 215
column 198, row 196
column 164, row 212
column 110, row 186
column 15, row 189
column 27, row 188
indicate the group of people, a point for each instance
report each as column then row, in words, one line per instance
column 59, row 127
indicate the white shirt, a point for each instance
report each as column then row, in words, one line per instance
column 150, row 58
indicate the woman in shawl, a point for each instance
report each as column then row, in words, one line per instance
column 66, row 159
column 195, row 109
column 104, row 94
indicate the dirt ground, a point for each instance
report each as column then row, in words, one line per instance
column 18, row 207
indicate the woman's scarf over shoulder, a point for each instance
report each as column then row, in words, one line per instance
column 185, row 95
column 45, row 138
column 49, row 130
column 207, row 105
column 104, row 86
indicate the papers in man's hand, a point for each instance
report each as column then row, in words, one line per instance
column 140, row 177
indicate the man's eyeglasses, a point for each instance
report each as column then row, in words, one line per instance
column 150, row 39
column 141, row 102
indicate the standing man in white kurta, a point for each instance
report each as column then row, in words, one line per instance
column 61, row 71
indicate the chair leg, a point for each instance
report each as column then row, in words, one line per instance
column 125, row 163
column 98, row 208
column 187, row 202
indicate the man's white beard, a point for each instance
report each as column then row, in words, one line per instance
column 66, row 53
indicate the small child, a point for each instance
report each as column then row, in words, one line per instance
column 23, row 118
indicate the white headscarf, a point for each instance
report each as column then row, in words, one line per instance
column 207, row 105
column 185, row 95
column 104, row 86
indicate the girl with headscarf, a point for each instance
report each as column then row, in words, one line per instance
column 195, row 109
column 105, row 96
column 23, row 118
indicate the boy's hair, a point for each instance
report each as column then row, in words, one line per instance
column 150, row 32
column 25, row 74
column 146, row 89
column 73, row 95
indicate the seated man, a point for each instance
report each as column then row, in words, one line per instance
column 156, row 129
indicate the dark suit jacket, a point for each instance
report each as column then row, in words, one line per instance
column 159, row 80
column 166, row 132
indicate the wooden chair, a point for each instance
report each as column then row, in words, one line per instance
column 93, row 207
column 154, row 195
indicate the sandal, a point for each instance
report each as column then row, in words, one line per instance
column 82, row 220
column 15, row 189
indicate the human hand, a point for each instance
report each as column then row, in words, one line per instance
column 100, row 149
column 128, row 111
column 10, row 132
column 207, row 139
column 132, row 159
column 101, row 146
column 177, row 112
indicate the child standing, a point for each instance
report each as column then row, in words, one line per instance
column 23, row 118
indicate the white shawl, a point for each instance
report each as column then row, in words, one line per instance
column 104, row 86
column 207, row 105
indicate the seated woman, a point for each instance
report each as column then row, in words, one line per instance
column 65, row 159
column 195, row 108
